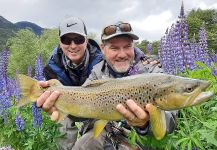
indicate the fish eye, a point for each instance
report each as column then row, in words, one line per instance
column 189, row 89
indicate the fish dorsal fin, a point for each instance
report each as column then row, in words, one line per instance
column 158, row 121
column 99, row 125
column 94, row 83
column 54, row 82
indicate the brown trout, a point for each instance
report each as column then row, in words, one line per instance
column 98, row 99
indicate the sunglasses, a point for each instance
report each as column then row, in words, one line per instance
column 77, row 40
column 112, row 29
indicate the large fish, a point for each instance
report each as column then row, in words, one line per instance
column 98, row 99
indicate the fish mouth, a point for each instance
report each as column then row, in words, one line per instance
column 202, row 97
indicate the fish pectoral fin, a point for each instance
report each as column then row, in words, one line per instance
column 95, row 83
column 99, row 125
column 62, row 115
column 158, row 121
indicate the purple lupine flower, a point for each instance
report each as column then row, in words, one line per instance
column 214, row 71
column 203, row 45
column 37, row 116
column 4, row 88
column 182, row 11
column 19, row 122
column 39, row 69
column 17, row 88
column 133, row 70
column 39, row 76
column 29, row 71
column 149, row 48
column 179, row 56
column 171, row 51
column 6, row 148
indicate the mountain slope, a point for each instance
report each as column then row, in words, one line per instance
column 7, row 30
column 28, row 25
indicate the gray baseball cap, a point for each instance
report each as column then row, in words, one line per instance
column 119, row 32
column 72, row 25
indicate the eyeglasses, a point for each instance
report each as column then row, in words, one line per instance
column 77, row 40
column 123, row 27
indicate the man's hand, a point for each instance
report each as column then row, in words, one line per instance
column 135, row 115
column 47, row 100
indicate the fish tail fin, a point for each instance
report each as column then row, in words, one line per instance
column 29, row 90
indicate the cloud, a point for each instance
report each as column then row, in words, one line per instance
column 154, row 24
column 149, row 18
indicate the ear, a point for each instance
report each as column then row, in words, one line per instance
column 102, row 47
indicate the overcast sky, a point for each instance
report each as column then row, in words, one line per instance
column 149, row 18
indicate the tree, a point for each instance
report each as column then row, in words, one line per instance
column 209, row 17
column 23, row 51
column 26, row 46
column 47, row 42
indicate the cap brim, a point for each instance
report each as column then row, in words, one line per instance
column 72, row 33
column 134, row 37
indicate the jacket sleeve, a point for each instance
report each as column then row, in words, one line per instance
column 48, row 73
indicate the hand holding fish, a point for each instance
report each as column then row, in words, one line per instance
column 47, row 100
column 135, row 115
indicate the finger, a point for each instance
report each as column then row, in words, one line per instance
column 145, row 62
column 154, row 62
column 55, row 116
column 43, row 84
column 50, row 111
column 137, row 110
column 40, row 101
column 50, row 101
column 126, row 113
column 149, row 107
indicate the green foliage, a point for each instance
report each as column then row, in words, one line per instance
column 23, row 51
column 25, row 47
column 5, row 35
column 30, row 138
column 47, row 42
column 143, row 46
column 209, row 17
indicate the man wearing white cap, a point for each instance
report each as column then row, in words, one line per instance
column 71, row 63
